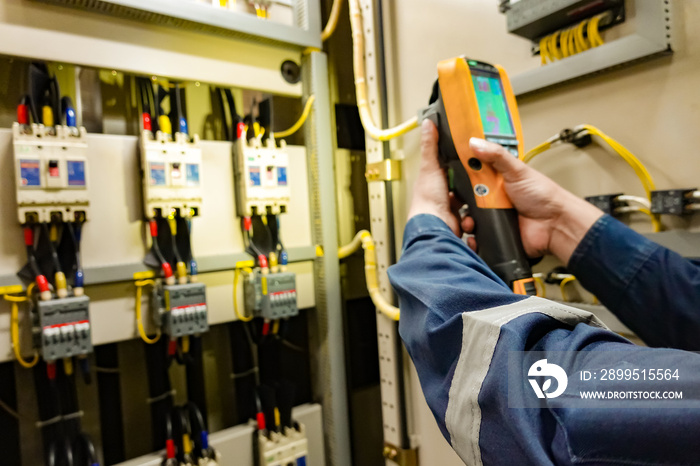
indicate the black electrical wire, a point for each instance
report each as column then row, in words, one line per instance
column 110, row 406
column 88, row 448
column 159, row 389
column 68, row 452
column 75, row 235
column 49, row 403
column 235, row 117
column 51, row 455
column 52, row 246
column 194, row 374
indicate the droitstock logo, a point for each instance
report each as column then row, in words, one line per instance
column 542, row 370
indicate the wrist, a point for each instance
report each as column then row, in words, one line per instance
column 575, row 216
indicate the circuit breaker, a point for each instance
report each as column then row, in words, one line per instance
column 183, row 309
column 62, row 327
column 51, row 173
column 284, row 449
column 262, row 177
column 172, row 174
column 271, row 296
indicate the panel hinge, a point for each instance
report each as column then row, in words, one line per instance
column 386, row 170
column 400, row 456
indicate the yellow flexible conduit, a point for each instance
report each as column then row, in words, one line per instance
column 636, row 165
column 302, row 119
column 140, row 284
column 364, row 238
column 332, row 20
column 14, row 330
column 358, row 53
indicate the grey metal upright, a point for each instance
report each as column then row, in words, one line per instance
column 330, row 379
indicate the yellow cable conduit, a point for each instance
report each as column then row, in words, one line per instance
column 636, row 165
column 358, row 53
column 140, row 284
column 364, row 238
column 14, row 328
column 332, row 20
column 302, row 119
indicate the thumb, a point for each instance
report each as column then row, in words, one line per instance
column 503, row 161
column 429, row 144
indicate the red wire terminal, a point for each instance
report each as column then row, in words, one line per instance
column 172, row 347
column 22, row 114
column 146, row 119
column 241, row 130
column 263, row 261
column 42, row 283
column 261, row 421
column 266, row 328
column 247, row 223
column 154, row 228
column 167, row 269
column 169, row 449
column 28, row 236
column 51, row 370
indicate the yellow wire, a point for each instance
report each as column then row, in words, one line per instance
column 14, row 331
column 563, row 284
column 332, row 20
column 542, row 290
column 68, row 366
column 532, row 153
column 140, row 284
column 554, row 47
column 302, row 119
column 594, row 32
column 241, row 317
column 275, row 327
column 564, row 41
column 544, row 54
column 583, row 43
column 186, row 344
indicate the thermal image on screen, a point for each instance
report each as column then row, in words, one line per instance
column 492, row 105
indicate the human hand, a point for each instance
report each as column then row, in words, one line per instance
column 430, row 192
column 552, row 220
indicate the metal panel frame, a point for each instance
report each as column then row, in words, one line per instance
column 653, row 19
column 200, row 17
column 391, row 368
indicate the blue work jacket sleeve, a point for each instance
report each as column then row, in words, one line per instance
column 652, row 290
column 460, row 324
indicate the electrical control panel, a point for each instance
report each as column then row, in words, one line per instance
column 172, row 174
column 51, row 173
column 183, row 309
column 533, row 19
column 271, row 296
column 62, row 327
column 671, row 201
column 262, row 177
column 283, row 449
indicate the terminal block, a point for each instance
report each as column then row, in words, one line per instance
column 51, row 173
column 62, row 327
column 271, row 296
column 606, row 202
column 671, row 201
column 289, row 447
column 172, row 174
column 261, row 173
column 183, row 309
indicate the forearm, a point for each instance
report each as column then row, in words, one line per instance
column 652, row 290
column 576, row 217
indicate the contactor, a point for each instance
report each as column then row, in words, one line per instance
column 51, row 172
column 182, row 309
column 271, row 296
column 62, row 327
column 262, row 177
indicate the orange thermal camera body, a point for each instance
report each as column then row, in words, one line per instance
column 475, row 99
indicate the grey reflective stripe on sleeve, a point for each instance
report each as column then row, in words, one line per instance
column 480, row 335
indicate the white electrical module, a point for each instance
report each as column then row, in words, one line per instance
column 172, row 174
column 282, row 449
column 51, row 173
column 262, row 177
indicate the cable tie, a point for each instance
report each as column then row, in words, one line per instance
column 59, row 418
column 161, row 397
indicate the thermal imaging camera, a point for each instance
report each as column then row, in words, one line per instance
column 475, row 99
